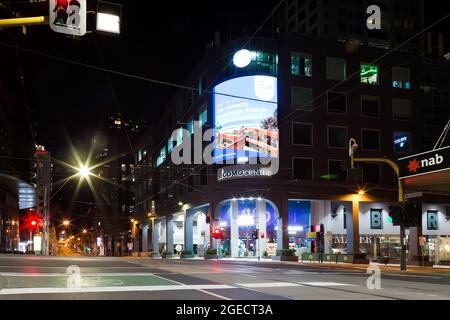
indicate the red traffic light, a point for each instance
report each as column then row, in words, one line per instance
column 217, row 233
column 33, row 223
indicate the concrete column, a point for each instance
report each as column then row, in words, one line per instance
column 413, row 241
column 145, row 238
column 169, row 233
column 234, row 228
column 355, row 220
column 262, row 225
column 282, row 226
column 189, row 230
column 156, row 237
column 349, row 218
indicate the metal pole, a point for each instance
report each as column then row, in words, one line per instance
column 18, row 22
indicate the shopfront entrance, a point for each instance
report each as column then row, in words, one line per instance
column 239, row 218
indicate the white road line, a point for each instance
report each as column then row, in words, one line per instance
column 326, row 284
column 11, row 291
column 214, row 294
column 105, row 274
column 268, row 284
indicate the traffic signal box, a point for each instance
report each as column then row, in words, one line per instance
column 408, row 213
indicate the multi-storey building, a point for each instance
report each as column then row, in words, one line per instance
column 117, row 196
column 346, row 19
column 299, row 100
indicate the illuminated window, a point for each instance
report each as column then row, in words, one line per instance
column 161, row 157
column 369, row 74
column 170, row 145
column 203, row 115
column 190, row 125
column 402, row 141
column 400, row 78
column 179, row 136
column 301, row 64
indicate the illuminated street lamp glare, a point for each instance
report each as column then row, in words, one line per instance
column 84, row 171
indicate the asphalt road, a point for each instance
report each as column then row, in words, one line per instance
column 103, row 278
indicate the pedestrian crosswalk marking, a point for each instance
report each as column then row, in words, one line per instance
column 326, row 284
column 268, row 284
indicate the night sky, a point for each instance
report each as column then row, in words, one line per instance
column 162, row 40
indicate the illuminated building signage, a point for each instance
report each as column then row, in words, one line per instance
column 245, row 118
column 425, row 163
column 235, row 172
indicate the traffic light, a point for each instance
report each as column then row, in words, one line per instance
column 255, row 234
column 217, row 233
column 396, row 214
column 413, row 214
column 262, row 235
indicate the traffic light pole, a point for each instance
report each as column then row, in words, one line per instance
column 401, row 193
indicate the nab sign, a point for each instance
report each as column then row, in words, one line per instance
column 68, row 16
column 424, row 163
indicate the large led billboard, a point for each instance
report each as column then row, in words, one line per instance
column 245, row 119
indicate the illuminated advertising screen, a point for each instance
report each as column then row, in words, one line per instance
column 245, row 119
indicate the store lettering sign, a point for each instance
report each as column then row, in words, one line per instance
column 425, row 163
column 237, row 172
column 341, row 239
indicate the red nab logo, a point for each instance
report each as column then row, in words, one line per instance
column 414, row 164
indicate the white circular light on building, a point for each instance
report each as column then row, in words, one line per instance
column 242, row 58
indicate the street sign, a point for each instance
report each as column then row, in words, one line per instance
column 425, row 163
column 313, row 235
column 68, row 16
column 413, row 195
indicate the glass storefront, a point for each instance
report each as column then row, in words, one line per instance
column 247, row 223
column 299, row 221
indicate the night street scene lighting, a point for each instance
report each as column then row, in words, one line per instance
column 268, row 152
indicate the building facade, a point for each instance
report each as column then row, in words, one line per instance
column 322, row 94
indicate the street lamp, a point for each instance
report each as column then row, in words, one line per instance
column 66, row 223
column 84, row 171
column 108, row 17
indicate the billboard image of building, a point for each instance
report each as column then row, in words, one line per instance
column 245, row 118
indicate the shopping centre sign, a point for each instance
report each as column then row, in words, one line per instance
column 425, row 163
column 239, row 172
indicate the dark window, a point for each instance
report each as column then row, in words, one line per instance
column 345, row 218
column 337, row 137
column 336, row 170
column 302, row 133
column 370, row 106
column 302, row 169
column 371, row 173
column 370, row 139
column 337, row 102
column 204, row 176
column 402, row 109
